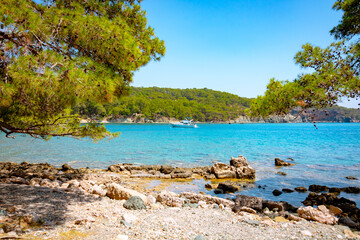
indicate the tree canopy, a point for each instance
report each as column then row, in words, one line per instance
column 56, row 54
column 335, row 72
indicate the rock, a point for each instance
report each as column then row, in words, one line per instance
column 122, row 237
column 118, row 192
column 281, row 173
column 66, row 167
column 169, row 199
column 73, row 184
column 134, row 203
column 166, row 169
column 222, row 170
column 210, row 186
column 318, row 188
column 287, row 190
column 294, row 218
column 280, row 219
column 84, row 184
column 355, row 190
column 130, row 218
column 190, row 205
column 199, row 237
column 318, row 215
column 84, row 221
column 50, row 184
column 126, row 224
column 210, row 176
column 228, row 188
column 351, row 178
column 276, row 192
column 96, row 189
column 35, row 182
column 347, row 222
column 195, row 198
column 240, row 161
column 218, row 191
column 280, row 163
column 151, row 199
column 301, row 189
column 246, row 209
column 350, row 234
column 335, row 190
column 306, row 233
column 334, row 210
column 181, row 174
column 242, row 168
column 248, row 201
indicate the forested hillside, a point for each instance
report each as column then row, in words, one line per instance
column 199, row 104
column 202, row 105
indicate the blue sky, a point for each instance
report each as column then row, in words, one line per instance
column 233, row 45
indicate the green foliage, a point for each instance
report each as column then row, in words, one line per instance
column 56, row 54
column 335, row 72
column 199, row 104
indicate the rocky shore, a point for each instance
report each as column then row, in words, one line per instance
column 40, row 201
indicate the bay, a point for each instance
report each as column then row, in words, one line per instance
column 322, row 156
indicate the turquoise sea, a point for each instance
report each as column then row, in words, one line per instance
column 322, row 156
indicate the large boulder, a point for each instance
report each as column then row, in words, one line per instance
column 248, row 201
column 118, row 192
column 170, row 199
column 242, row 168
column 222, row 170
column 134, row 203
column 321, row 215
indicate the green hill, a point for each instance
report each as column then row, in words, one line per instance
column 199, row 104
column 202, row 105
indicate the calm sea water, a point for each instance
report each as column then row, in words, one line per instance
column 322, row 156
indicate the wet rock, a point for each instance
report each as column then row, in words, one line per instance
column 222, row 170
column 335, row 190
column 242, row 168
column 347, row 221
column 210, row 186
column 134, row 203
column 280, row 163
column 355, row 190
column 181, row 173
column 287, row 190
column 301, row 189
column 118, row 192
column 227, row 188
column 281, row 173
column 166, row 169
column 210, row 176
column 351, row 178
column 218, row 191
column 66, row 167
column 279, row 206
column 248, row 201
column 276, row 192
column 320, row 215
column 318, row 188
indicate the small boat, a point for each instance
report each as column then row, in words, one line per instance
column 184, row 124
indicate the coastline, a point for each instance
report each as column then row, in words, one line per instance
column 97, row 199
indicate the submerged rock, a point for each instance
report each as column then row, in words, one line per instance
column 351, row 178
column 227, row 188
column 280, row 163
column 276, row 192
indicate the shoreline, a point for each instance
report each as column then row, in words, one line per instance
column 112, row 189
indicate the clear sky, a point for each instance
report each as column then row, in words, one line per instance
column 233, row 45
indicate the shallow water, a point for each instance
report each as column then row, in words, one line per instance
column 322, row 156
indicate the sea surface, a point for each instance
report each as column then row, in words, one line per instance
column 322, row 156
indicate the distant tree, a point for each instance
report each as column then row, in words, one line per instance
column 335, row 71
column 55, row 54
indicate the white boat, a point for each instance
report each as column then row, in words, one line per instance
column 184, row 124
